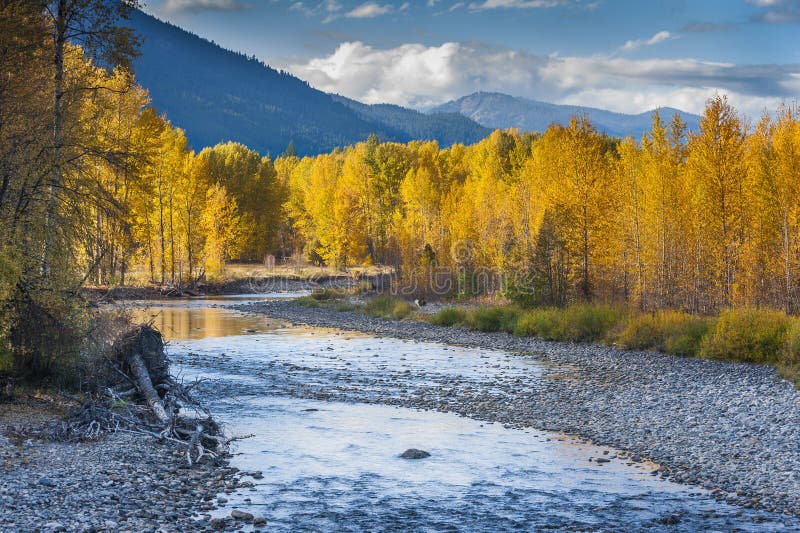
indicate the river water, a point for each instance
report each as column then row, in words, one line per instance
column 330, row 465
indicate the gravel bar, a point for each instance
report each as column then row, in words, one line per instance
column 122, row 482
column 731, row 428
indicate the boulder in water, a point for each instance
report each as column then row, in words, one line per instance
column 413, row 453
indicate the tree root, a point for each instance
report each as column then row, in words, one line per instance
column 139, row 397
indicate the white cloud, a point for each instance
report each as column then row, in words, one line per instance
column 516, row 4
column 659, row 37
column 416, row 75
column 691, row 99
column 777, row 11
column 175, row 6
column 369, row 10
column 422, row 76
column 331, row 7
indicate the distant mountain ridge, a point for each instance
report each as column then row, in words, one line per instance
column 217, row 95
column 447, row 128
column 498, row 110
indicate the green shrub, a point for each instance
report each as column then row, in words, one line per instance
column 450, row 316
column 363, row 287
column 793, row 343
column 685, row 337
column 590, row 323
column 6, row 359
column 641, row 332
column 541, row 323
column 666, row 331
column 748, row 335
column 46, row 332
column 327, row 294
column 401, row 310
column 386, row 306
column 307, row 301
column 499, row 318
column 381, row 306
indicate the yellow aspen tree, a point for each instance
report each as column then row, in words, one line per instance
column 786, row 145
column 664, row 153
column 586, row 196
column 630, row 170
column 717, row 171
column 774, row 163
column 221, row 224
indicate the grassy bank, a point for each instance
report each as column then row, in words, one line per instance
column 760, row 336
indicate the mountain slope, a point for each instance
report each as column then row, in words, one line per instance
column 447, row 128
column 217, row 95
column 496, row 110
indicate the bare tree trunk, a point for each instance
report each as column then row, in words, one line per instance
column 787, row 262
column 145, row 385
column 161, row 222
column 171, row 235
column 59, row 40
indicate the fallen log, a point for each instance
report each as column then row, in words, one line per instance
column 146, row 389
column 142, row 360
column 132, row 391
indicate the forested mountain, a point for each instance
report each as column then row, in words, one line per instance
column 447, row 128
column 217, row 95
column 497, row 110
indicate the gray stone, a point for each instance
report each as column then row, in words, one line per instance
column 413, row 453
column 236, row 514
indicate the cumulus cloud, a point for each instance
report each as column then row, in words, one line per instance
column 422, row 76
column 175, row 6
column 417, row 75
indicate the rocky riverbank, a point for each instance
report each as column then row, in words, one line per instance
column 122, row 482
column 245, row 285
column 733, row 429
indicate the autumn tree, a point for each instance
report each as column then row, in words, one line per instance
column 717, row 171
column 222, row 227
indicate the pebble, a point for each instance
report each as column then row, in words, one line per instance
column 106, row 485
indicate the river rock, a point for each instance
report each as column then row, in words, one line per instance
column 217, row 523
column 413, row 453
column 236, row 514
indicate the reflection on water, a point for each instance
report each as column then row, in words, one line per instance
column 334, row 466
column 202, row 322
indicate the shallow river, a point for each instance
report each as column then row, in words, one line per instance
column 335, row 466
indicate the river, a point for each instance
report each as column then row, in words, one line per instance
column 329, row 464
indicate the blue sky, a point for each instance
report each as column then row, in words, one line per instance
column 624, row 55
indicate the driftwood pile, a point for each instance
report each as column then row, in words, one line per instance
column 135, row 393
